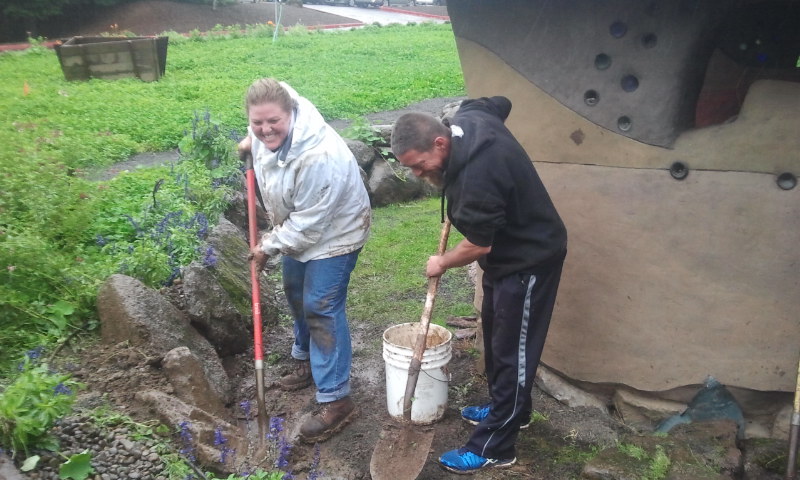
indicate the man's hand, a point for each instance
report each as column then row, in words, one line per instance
column 435, row 266
column 259, row 256
column 463, row 253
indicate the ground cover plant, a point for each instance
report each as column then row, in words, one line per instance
column 61, row 234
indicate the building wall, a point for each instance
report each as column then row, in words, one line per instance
column 666, row 281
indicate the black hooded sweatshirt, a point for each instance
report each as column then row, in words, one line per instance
column 494, row 195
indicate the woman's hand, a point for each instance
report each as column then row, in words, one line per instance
column 259, row 256
column 245, row 146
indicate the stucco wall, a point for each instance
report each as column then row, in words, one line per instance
column 667, row 281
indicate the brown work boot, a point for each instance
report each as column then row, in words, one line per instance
column 329, row 419
column 300, row 377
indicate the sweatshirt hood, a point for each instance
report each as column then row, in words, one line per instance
column 473, row 133
column 309, row 127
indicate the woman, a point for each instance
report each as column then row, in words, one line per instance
column 319, row 207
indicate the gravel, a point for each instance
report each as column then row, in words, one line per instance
column 116, row 455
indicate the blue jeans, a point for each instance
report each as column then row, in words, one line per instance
column 317, row 294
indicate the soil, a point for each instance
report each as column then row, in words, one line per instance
column 114, row 374
column 153, row 17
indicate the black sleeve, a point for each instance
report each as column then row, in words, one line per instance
column 480, row 207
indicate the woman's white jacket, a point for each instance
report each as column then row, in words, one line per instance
column 315, row 197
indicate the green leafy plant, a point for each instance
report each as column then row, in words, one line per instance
column 77, row 466
column 32, row 403
column 360, row 129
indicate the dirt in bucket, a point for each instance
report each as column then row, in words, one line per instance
column 405, row 335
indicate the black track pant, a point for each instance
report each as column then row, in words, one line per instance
column 516, row 314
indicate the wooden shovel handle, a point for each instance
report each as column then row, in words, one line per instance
column 422, row 335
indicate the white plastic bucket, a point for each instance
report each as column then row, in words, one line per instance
column 430, row 396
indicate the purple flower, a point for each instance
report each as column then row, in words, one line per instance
column 223, row 454
column 284, row 450
column 187, row 449
column 35, row 353
column 100, row 240
column 210, row 260
column 275, row 428
column 219, row 438
column 61, row 389
column 246, row 407
column 314, row 472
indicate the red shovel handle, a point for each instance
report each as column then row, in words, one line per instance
column 252, row 223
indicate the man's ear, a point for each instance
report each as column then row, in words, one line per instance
column 441, row 143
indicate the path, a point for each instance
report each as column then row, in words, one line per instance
column 382, row 15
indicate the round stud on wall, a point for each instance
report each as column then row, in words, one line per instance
column 591, row 97
column 618, row 29
column 786, row 181
column 679, row 170
column 629, row 83
column 624, row 123
column 602, row 61
column 649, row 40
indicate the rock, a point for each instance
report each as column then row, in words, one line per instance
column 212, row 312
column 131, row 311
column 449, row 110
column 232, row 271
column 464, row 333
column 201, row 431
column 462, row 322
column 385, row 132
column 783, row 423
column 236, row 212
column 566, row 393
column 7, row 469
column 391, row 182
column 365, row 154
column 185, row 373
column 643, row 412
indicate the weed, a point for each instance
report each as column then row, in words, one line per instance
column 655, row 466
column 537, row 416
column 659, row 464
column 31, row 404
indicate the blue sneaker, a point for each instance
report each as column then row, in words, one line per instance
column 464, row 462
column 476, row 413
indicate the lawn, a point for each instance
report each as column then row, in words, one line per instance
column 62, row 235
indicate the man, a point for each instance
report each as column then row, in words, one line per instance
column 510, row 226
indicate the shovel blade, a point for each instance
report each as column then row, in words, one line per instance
column 400, row 453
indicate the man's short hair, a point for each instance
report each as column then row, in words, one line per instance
column 416, row 131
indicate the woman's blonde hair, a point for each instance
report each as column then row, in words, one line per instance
column 268, row 90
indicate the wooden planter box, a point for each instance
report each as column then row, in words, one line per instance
column 83, row 58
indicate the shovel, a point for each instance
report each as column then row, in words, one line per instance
column 252, row 224
column 401, row 451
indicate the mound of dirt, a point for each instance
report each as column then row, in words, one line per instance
column 152, row 17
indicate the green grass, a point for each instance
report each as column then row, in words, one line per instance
column 389, row 284
column 345, row 74
column 54, row 132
